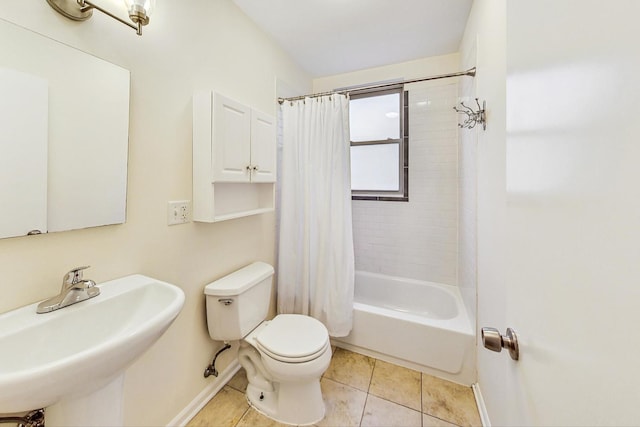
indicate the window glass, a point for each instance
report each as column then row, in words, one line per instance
column 375, row 167
column 375, row 118
column 379, row 140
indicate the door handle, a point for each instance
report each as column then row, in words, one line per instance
column 492, row 340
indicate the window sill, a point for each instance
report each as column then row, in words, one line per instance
column 382, row 198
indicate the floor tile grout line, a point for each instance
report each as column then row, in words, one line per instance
column 421, row 404
column 363, row 410
column 375, row 362
column 442, row 419
column 368, row 394
column 376, row 396
column 394, row 402
column 345, row 384
column 243, row 415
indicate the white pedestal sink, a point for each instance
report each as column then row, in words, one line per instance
column 72, row 361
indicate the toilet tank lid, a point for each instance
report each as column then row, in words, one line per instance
column 240, row 280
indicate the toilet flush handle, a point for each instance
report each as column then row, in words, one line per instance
column 226, row 301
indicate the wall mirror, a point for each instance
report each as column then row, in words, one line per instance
column 64, row 125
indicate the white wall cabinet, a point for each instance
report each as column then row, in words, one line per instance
column 263, row 147
column 234, row 159
column 243, row 142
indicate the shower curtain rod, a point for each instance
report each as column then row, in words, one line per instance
column 470, row 72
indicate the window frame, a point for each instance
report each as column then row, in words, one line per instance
column 402, row 194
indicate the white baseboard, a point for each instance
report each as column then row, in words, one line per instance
column 205, row 396
column 482, row 409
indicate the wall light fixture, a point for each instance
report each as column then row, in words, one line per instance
column 81, row 10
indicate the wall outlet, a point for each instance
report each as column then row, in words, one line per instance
column 178, row 212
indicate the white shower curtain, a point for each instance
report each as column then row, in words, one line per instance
column 315, row 258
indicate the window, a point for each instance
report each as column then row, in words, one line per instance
column 379, row 145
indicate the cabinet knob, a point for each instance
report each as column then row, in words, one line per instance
column 255, row 168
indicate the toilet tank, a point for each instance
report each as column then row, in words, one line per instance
column 238, row 302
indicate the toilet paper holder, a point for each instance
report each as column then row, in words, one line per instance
column 492, row 340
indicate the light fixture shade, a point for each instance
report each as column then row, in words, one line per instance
column 145, row 7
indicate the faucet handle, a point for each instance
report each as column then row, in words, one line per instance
column 74, row 276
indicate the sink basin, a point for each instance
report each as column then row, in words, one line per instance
column 80, row 349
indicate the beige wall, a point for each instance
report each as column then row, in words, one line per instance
column 405, row 70
column 209, row 44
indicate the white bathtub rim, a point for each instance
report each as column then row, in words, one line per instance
column 461, row 323
column 458, row 325
column 452, row 289
column 443, row 347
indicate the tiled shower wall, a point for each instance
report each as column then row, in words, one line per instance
column 467, row 214
column 418, row 239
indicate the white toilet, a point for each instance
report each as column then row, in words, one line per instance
column 284, row 357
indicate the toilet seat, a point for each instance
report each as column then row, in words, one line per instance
column 293, row 338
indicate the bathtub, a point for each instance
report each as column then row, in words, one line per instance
column 418, row 324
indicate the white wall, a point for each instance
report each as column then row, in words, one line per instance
column 415, row 239
column 485, row 42
column 209, row 44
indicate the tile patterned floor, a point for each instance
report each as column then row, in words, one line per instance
column 359, row 391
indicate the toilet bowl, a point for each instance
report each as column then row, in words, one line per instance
column 284, row 357
column 294, row 351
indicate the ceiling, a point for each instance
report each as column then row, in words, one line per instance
column 327, row 37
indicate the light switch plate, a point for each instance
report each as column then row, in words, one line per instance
column 178, row 212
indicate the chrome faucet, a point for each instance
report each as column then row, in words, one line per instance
column 74, row 289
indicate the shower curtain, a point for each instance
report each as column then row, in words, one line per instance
column 315, row 254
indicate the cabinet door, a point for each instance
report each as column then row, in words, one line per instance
column 263, row 147
column 231, row 140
